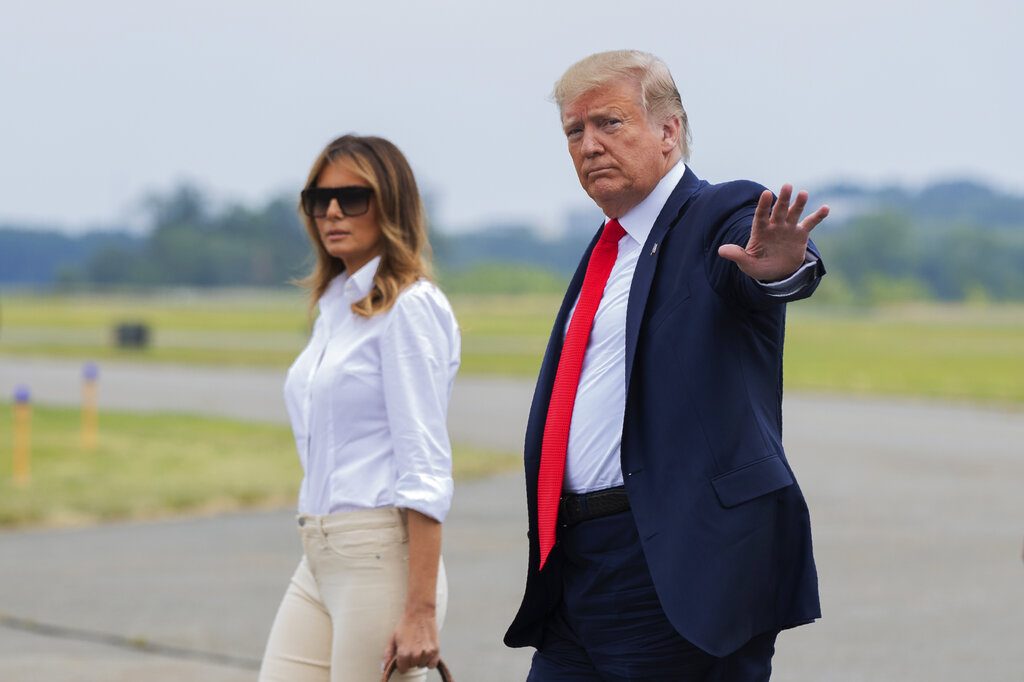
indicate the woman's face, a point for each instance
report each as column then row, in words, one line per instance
column 354, row 239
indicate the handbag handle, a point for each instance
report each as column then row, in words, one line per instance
column 392, row 666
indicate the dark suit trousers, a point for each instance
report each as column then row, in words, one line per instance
column 610, row 625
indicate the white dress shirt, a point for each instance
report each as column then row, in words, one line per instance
column 595, row 435
column 368, row 401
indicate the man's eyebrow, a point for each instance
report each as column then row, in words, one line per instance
column 570, row 122
column 610, row 111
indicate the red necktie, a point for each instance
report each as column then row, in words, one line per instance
column 567, row 379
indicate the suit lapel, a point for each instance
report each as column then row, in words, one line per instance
column 643, row 276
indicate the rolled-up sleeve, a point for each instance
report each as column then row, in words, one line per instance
column 419, row 358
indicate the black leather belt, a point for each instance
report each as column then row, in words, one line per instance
column 575, row 509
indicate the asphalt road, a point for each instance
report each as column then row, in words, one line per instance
column 917, row 508
column 486, row 412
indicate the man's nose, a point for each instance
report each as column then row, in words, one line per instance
column 591, row 144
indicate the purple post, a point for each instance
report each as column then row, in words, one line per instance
column 21, row 394
column 90, row 371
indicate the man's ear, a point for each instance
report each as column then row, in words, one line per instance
column 671, row 129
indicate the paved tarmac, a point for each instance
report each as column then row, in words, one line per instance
column 212, row 586
column 918, row 518
column 485, row 412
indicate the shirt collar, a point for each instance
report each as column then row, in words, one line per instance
column 639, row 220
column 351, row 288
column 360, row 282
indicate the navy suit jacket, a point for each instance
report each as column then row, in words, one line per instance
column 724, row 526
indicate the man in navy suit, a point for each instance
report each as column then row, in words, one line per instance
column 668, row 537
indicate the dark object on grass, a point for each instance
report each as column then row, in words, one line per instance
column 131, row 335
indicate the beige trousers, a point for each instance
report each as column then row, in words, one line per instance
column 344, row 600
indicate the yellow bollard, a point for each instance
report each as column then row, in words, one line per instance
column 90, row 411
column 22, row 465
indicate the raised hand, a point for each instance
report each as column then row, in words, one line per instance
column 778, row 238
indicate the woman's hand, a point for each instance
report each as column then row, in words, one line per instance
column 414, row 643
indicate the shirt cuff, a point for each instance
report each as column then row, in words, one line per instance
column 429, row 495
column 795, row 282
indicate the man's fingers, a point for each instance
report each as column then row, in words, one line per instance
column 798, row 207
column 764, row 205
column 811, row 221
column 781, row 210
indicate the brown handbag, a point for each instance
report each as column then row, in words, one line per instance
column 392, row 666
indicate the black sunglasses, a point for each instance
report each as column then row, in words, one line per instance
column 353, row 201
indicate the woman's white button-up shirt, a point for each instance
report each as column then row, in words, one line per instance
column 368, row 401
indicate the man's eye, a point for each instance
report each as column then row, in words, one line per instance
column 612, row 123
column 573, row 132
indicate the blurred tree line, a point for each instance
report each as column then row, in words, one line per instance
column 951, row 242
column 191, row 244
column 885, row 257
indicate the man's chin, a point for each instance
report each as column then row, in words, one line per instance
column 607, row 195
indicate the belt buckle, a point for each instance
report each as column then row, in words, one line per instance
column 564, row 511
column 572, row 510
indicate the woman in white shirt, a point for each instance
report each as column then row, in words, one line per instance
column 368, row 401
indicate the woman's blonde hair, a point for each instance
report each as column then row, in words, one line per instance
column 659, row 95
column 405, row 250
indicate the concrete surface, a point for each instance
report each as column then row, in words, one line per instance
column 918, row 516
column 485, row 411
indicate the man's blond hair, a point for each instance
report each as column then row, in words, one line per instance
column 658, row 93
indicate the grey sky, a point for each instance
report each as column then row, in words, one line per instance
column 105, row 100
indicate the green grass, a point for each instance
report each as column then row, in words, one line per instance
column 148, row 466
column 232, row 311
column 501, row 334
column 504, row 335
column 951, row 352
column 155, row 465
column 945, row 351
column 256, row 328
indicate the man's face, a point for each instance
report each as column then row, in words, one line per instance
column 619, row 153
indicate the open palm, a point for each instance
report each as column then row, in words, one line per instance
column 778, row 238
